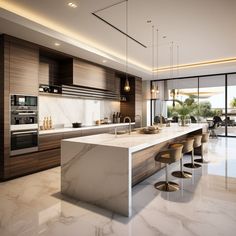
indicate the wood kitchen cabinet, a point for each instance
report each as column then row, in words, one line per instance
column 88, row 75
column 73, row 134
column 23, row 67
column 50, row 141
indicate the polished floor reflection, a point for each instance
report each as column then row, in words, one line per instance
column 206, row 205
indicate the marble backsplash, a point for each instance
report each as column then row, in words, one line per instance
column 68, row 110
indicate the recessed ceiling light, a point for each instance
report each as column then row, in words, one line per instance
column 164, row 37
column 57, row 44
column 149, row 21
column 104, row 61
column 72, row 4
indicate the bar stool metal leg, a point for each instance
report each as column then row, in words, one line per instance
column 201, row 160
column 181, row 173
column 192, row 164
column 167, row 185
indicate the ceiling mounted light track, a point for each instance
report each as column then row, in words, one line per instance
column 114, row 27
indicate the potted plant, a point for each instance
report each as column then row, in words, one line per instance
column 183, row 111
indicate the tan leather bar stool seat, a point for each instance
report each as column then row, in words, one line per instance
column 197, row 143
column 168, row 156
column 187, row 147
column 205, row 139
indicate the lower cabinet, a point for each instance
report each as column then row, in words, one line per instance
column 21, row 165
column 49, row 153
column 49, row 159
column 50, row 141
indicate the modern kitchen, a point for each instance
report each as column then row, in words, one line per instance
column 112, row 129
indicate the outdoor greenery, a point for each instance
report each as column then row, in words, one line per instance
column 233, row 103
column 190, row 108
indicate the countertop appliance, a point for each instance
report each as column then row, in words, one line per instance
column 24, row 124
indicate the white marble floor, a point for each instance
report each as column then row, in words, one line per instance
column 205, row 206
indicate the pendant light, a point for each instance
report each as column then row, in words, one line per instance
column 157, row 90
column 127, row 86
column 153, row 88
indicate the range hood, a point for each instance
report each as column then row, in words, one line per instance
column 88, row 93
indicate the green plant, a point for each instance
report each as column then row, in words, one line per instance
column 233, row 102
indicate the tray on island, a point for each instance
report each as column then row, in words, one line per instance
column 149, row 130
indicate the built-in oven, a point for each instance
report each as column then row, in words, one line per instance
column 24, row 112
column 24, row 101
column 24, row 141
column 24, row 124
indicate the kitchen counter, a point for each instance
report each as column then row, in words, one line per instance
column 98, row 168
column 70, row 129
column 135, row 141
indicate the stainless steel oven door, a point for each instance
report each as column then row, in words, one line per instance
column 24, row 141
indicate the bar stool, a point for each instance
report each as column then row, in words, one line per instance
column 168, row 156
column 196, row 143
column 187, row 147
column 205, row 139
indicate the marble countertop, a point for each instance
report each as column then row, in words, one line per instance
column 70, row 129
column 136, row 141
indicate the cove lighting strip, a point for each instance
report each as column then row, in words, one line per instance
column 193, row 65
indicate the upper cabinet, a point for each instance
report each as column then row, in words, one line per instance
column 88, row 75
column 23, row 67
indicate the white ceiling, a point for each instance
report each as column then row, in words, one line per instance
column 203, row 29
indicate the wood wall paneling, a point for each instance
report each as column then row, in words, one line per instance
column 6, row 107
column 24, row 67
column 1, row 107
column 138, row 100
column 43, row 73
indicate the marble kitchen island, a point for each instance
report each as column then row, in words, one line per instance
column 101, row 169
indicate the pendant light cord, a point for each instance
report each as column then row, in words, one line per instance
column 157, row 56
column 126, row 41
column 153, row 52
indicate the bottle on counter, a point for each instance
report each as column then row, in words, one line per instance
column 114, row 118
column 46, row 123
column 50, row 123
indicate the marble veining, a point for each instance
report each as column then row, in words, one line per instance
column 68, row 110
column 206, row 205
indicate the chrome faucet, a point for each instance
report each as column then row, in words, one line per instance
column 140, row 117
column 127, row 117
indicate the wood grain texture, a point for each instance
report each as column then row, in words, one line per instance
column 50, row 141
column 133, row 105
column 43, row 73
column 143, row 162
column 138, row 101
column 1, row 106
column 48, row 159
column 73, row 134
column 21, row 165
column 6, row 101
column 88, row 75
column 24, row 67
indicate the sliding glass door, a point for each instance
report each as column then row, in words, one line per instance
column 212, row 102
column 207, row 99
column 231, row 105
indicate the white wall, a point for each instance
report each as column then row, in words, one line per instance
column 68, row 110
